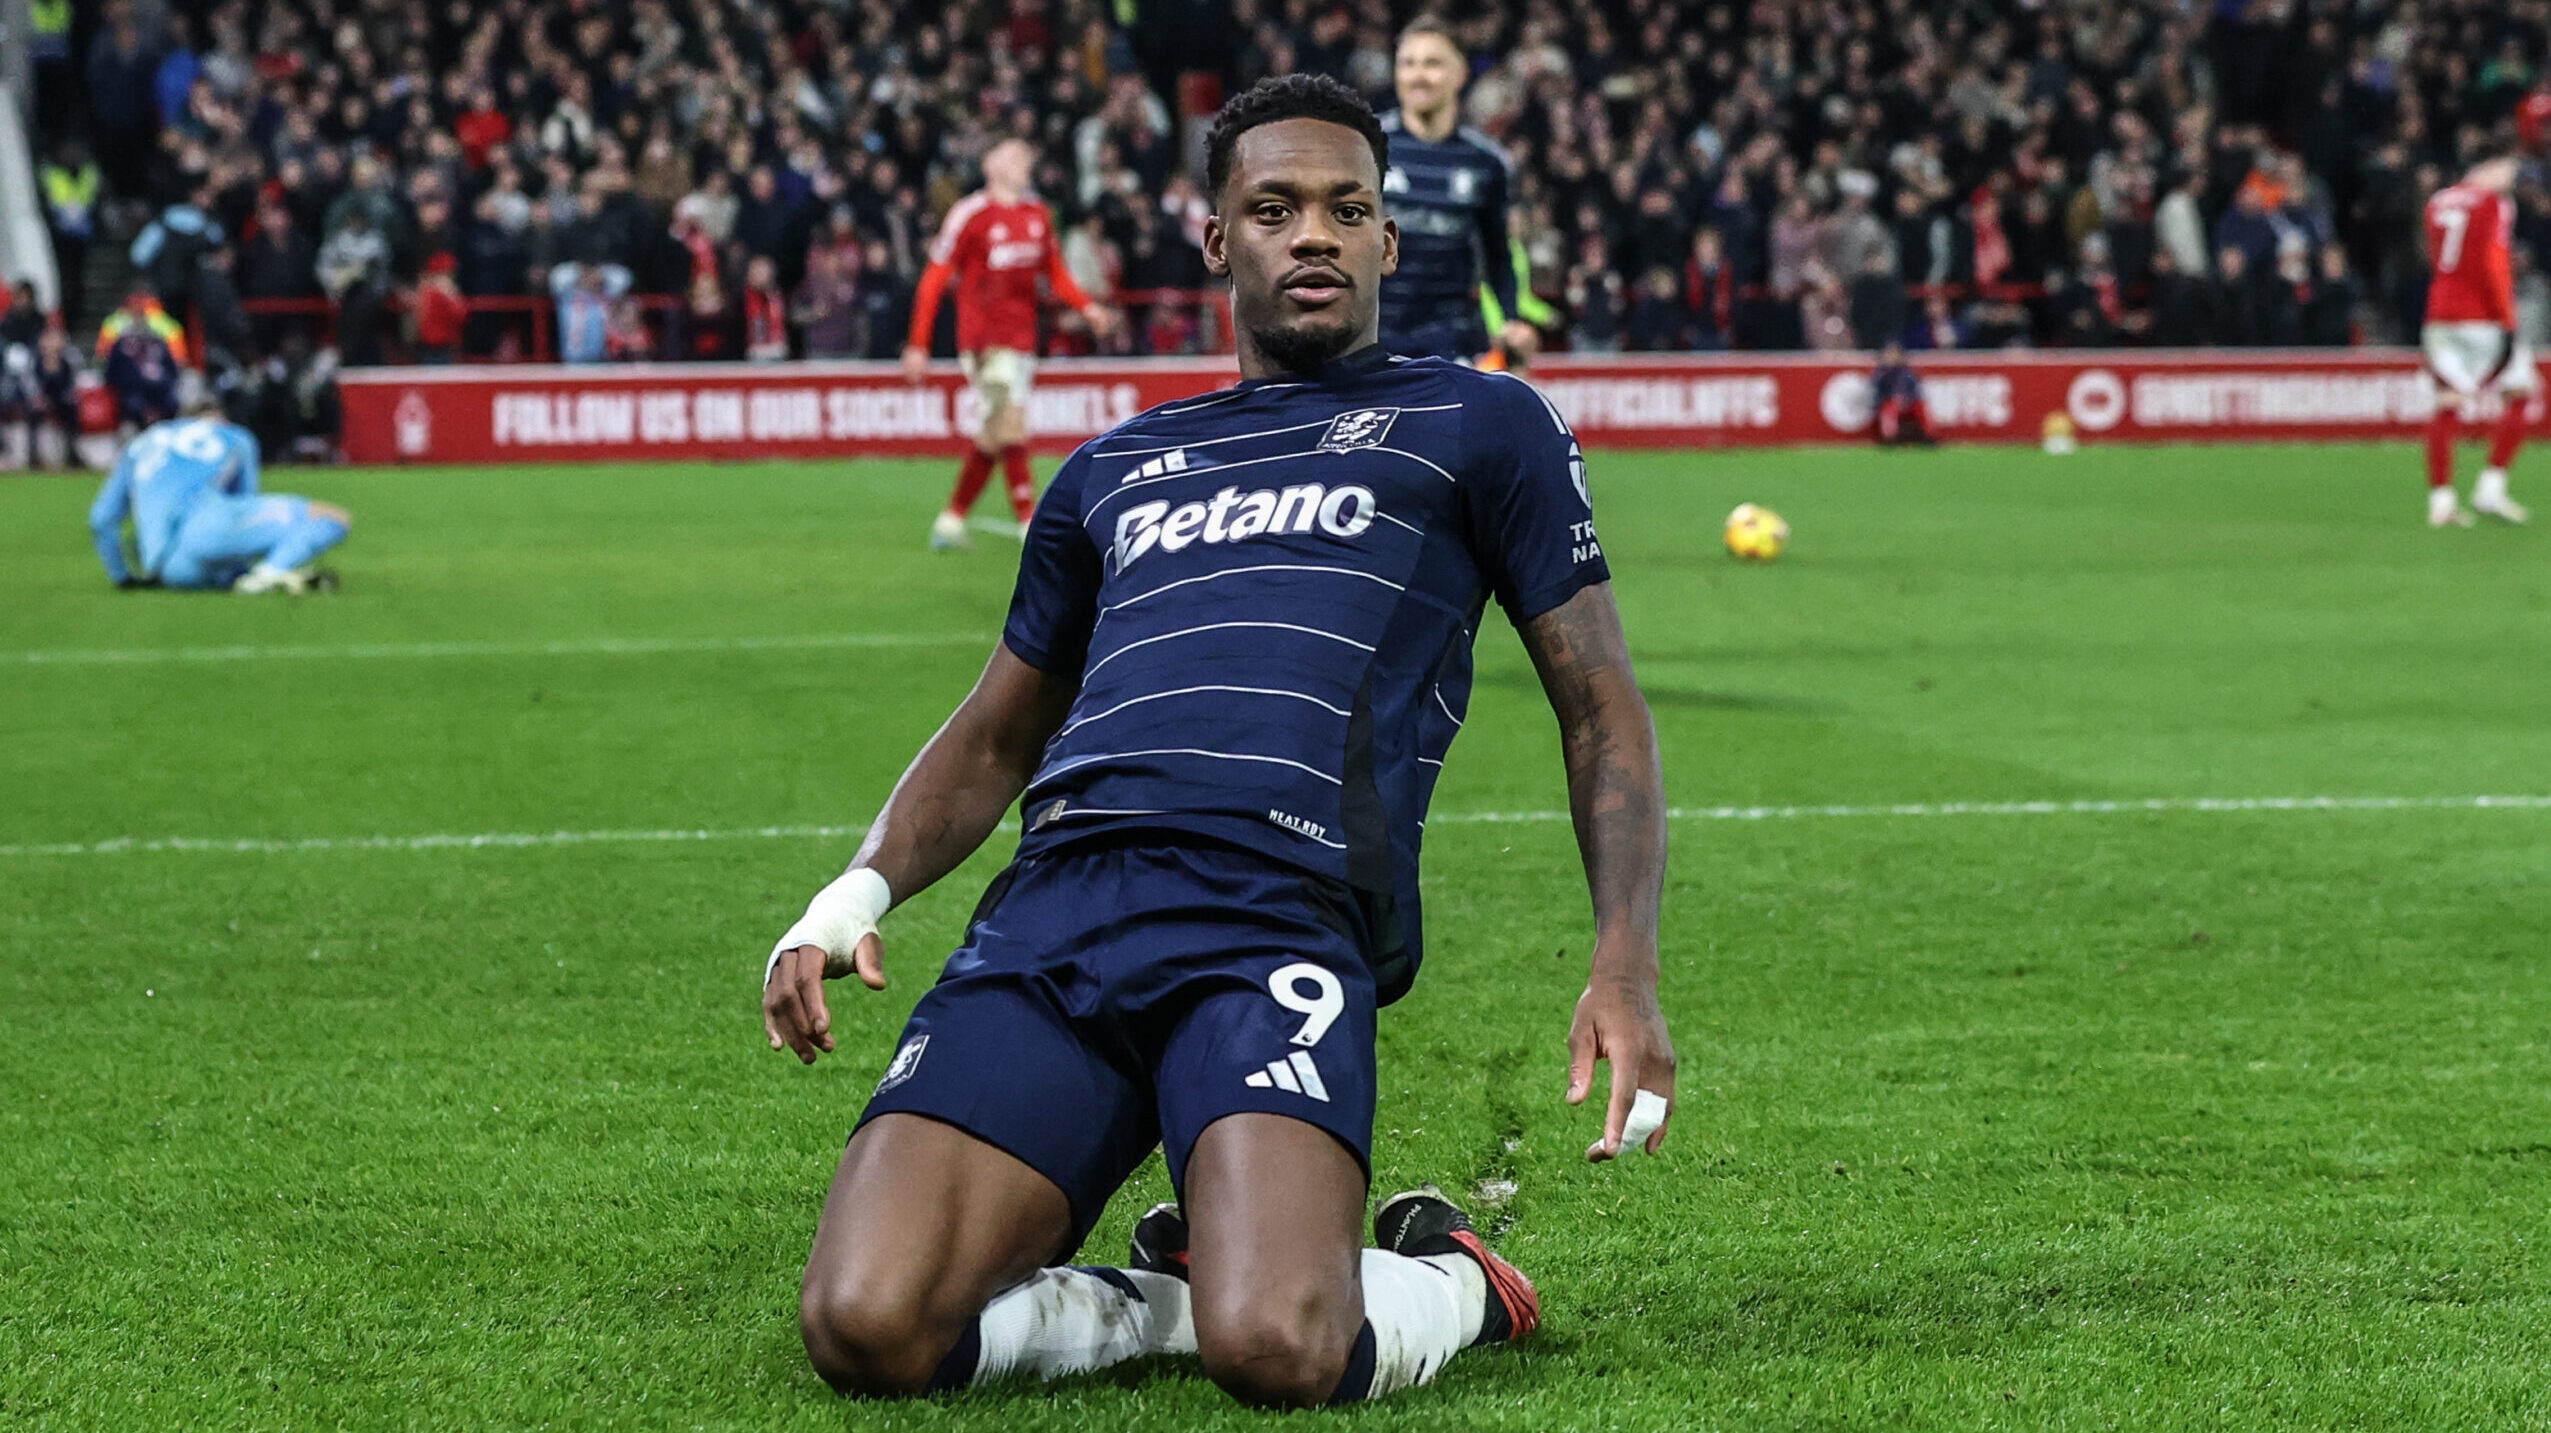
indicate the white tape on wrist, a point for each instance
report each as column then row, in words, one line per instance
column 1647, row 1115
column 841, row 915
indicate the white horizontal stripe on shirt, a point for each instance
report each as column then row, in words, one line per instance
column 1080, row 761
column 1414, row 458
column 1190, row 691
column 1227, row 397
column 1217, row 627
column 1261, row 567
column 1244, row 437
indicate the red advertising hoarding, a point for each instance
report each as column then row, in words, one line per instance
column 689, row 411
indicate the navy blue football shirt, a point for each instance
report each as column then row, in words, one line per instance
column 1269, row 596
column 1449, row 197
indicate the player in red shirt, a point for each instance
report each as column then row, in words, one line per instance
column 994, row 243
column 2470, row 338
column 2533, row 117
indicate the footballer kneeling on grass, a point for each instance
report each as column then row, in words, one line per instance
column 1238, row 650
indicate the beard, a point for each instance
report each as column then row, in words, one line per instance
column 1305, row 347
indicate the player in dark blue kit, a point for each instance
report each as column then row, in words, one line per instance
column 1238, row 651
column 1447, row 189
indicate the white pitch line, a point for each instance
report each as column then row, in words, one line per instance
column 566, row 647
column 2065, row 808
column 253, row 845
column 503, row 839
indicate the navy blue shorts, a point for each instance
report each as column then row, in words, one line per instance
column 1110, row 999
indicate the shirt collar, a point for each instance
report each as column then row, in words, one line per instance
column 1367, row 359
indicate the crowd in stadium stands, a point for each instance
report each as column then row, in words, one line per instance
column 704, row 179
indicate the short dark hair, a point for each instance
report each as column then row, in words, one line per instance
column 2493, row 146
column 1437, row 26
column 1283, row 97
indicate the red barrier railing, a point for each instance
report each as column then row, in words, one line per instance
column 1165, row 320
column 1168, row 320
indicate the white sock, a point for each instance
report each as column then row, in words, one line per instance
column 2491, row 488
column 2441, row 500
column 1073, row 1320
column 1423, row 1311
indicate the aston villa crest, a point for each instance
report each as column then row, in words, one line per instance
column 1363, row 428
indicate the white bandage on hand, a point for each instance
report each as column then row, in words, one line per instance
column 836, row 921
column 1647, row 1115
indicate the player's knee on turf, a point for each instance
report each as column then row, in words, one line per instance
column 867, row 1338
column 1263, row 1349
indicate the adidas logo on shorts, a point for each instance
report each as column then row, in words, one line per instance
column 1295, row 1073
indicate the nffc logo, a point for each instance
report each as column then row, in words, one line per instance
column 1234, row 516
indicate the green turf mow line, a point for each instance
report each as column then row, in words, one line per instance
column 497, row 839
column 571, row 647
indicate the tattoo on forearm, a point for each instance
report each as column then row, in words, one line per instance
column 1615, row 780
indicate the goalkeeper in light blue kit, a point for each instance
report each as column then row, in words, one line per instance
column 189, row 486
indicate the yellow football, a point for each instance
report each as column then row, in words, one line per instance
column 1755, row 533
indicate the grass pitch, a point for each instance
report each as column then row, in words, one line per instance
column 2146, row 1119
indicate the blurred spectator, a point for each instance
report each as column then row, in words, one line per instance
column 368, row 198
column 228, row 339
column 278, row 263
column 2240, row 306
column 1878, row 306
column 1825, row 310
column 1594, row 296
column 826, row 306
column 25, row 319
column 765, row 312
column 174, row 80
column 71, row 184
column 1656, row 313
column 763, row 215
column 709, row 317
column 2329, row 319
column 142, row 372
column 49, row 47
column 2285, row 293
column 1898, row 414
column 123, row 104
column 627, row 339
column 354, row 272
column 49, row 398
column 885, row 302
column 1709, row 294
column 442, row 314
column 585, row 293
column 170, row 248
column 2092, row 305
column 142, row 310
column 1938, row 329
column 2182, row 304
column 2247, row 227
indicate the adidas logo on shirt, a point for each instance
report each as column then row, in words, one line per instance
column 1295, row 1074
column 1173, row 461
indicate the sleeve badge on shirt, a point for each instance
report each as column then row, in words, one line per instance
column 1363, row 428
